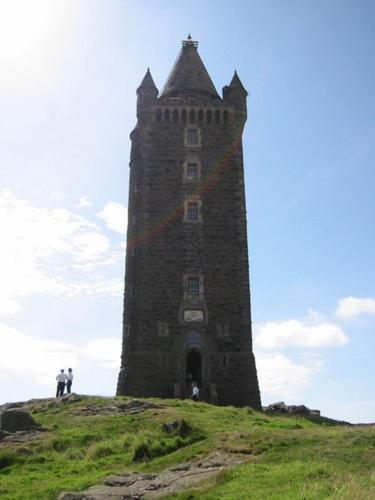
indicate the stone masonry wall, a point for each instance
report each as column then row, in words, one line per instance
column 163, row 249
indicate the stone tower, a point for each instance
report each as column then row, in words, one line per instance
column 187, row 300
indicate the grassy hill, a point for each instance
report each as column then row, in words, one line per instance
column 287, row 457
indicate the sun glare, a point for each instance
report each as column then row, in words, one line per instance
column 32, row 35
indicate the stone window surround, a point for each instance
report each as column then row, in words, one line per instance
column 192, row 199
column 192, row 159
column 199, row 136
column 185, row 281
column 198, row 144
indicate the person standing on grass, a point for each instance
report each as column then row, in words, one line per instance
column 61, row 379
column 69, row 381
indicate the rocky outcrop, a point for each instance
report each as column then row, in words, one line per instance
column 115, row 407
column 147, row 486
column 17, row 425
column 17, row 419
column 281, row 407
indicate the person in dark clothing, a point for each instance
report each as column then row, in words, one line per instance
column 69, row 381
column 61, row 379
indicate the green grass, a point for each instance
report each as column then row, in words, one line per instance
column 288, row 457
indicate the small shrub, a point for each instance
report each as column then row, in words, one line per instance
column 58, row 444
column 74, row 454
column 249, row 411
column 126, row 441
column 177, row 427
column 141, row 451
column 87, row 438
column 6, row 459
column 99, row 450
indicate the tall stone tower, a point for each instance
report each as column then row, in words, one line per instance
column 187, row 300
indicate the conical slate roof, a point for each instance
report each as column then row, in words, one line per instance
column 189, row 75
column 236, row 82
column 148, row 81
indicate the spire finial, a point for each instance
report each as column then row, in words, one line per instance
column 189, row 41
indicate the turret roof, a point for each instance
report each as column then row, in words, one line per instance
column 236, row 82
column 189, row 74
column 148, row 81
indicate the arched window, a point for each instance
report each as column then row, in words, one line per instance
column 167, row 115
column 217, row 116
column 192, row 116
column 209, row 116
column 175, row 115
column 183, row 115
column 225, row 116
column 200, row 116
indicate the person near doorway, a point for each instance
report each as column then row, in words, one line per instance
column 61, row 379
column 69, row 381
column 195, row 394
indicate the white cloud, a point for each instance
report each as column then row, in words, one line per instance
column 114, row 215
column 280, row 377
column 295, row 333
column 41, row 358
column 105, row 350
column 83, row 202
column 53, row 252
column 56, row 196
column 349, row 307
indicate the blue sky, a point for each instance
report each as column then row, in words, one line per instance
column 68, row 74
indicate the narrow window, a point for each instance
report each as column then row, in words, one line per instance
column 192, row 116
column 225, row 116
column 193, row 286
column 200, row 116
column 192, row 171
column 163, row 329
column 167, row 115
column 175, row 115
column 192, row 210
column 192, row 136
column 183, row 115
column 209, row 116
column 158, row 115
column 217, row 116
column 224, row 360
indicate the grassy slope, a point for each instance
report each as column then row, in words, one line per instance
column 289, row 457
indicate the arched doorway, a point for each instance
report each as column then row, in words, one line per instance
column 193, row 367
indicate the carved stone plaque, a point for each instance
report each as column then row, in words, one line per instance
column 193, row 315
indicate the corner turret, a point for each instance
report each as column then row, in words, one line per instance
column 147, row 93
column 236, row 94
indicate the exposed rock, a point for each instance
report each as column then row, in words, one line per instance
column 69, row 398
column 147, row 486
column 116, row 408
column 3, row 434
column 179, row 427
column 24, row 404
column 22, row 436
column 16, row 419
column 281, row 407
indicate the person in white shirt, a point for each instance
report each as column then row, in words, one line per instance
column 61, row 379
column 69, row 381
column 195, row 395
